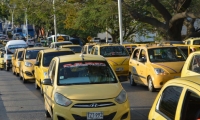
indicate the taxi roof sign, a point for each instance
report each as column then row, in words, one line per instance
column 60, row 38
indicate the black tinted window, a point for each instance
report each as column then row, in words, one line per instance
column 49, row 56
column 31, row 54
column 19, row 54
column 169, row 101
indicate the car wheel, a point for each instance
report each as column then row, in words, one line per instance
column 20, row 75
column 131, row 80
column 47, row 114
column 41, row 90
column 17, row 74
column 150, row 85
column 13, row 71
column 36, row 86
column 23, row 79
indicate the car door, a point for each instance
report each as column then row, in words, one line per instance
column 1, row 59
column 14, row 59
column 22, row 63
column 142, row 67
column 37, row 67
column 40, row 68
column 133, row 65
column 192, row 66
column 52, row 76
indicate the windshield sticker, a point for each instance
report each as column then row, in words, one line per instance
column 85, row 64
column 61, row 77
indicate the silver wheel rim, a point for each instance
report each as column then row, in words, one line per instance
column 150, row 84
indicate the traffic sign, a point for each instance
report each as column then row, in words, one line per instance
column 60, row 39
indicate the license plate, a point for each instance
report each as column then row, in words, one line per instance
column 119, row 69
column 94, row 115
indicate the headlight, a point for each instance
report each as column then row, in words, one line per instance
column 28, row 64
column 121, row 98
column 159, row 71
column 45, row 75
column 62, row 100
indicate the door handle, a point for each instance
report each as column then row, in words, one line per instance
column 130, row 62
column 137, row 64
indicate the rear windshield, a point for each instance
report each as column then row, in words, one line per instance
column 49, row 56
column 31, row 54
column 60, row 44
column 113, row 51
column 75, row 49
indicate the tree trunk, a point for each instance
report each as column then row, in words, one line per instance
column 175, row 31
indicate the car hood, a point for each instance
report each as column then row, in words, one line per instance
column 90, row 92
column 170, row 67
column 31, row 61
column 118, row 60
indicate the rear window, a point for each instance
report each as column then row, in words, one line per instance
column 60, row 44
column 113, row 51
column 49, row 56
column 75, row 49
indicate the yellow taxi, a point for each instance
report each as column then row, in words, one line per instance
column 116, row 55
column 75, row 48
column 43, row 60
column 192, row 65
column 1, row 60
column 27, row 61
column 84, row 87
column 179, row 99
column 154, row 65
column 193, row 41
column 87, row 48
column 15, row 61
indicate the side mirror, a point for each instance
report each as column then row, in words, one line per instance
column 20, row 59
column 142, row 60
column 37, row 63
column 47, row 81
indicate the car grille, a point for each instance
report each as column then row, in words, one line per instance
column 93, row 105
column 106, row 117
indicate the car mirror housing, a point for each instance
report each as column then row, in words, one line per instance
column 47, row 81
column 37, row 63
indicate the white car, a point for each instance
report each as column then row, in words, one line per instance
column 30, row 42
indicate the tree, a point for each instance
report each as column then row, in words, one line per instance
column 166, row 16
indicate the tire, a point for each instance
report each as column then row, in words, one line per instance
column 13, row 71
column 17, row 74
column 41, row 90
column 23, row 79
column 150, row 85
column 20, row 77
column 47, row 114
column 131, row 80
column 36, row 86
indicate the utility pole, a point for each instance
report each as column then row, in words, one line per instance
column 54, row 15
column 120, row 20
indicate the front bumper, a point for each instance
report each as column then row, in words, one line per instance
column 160, row 80
column 115, row 112
column 28, row 73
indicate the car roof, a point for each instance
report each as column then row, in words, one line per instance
column 186, row 80
column 14, row 42
column 62, row 42
column 147, row 46
column 70, row 45
column 37, row 48
column 20, row 49
column 81, row 57
column 55, row 50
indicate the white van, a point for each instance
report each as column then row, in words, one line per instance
column 10, row 48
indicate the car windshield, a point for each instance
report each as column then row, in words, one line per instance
column 49, row 56
column 88, row 72
column 31, row 54
column 19, row 54
column 75, row 49
column 11, row 48
column 60, row 44
column 113, row 51
column 166, row 54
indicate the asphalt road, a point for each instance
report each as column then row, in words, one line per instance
column 20, row 101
